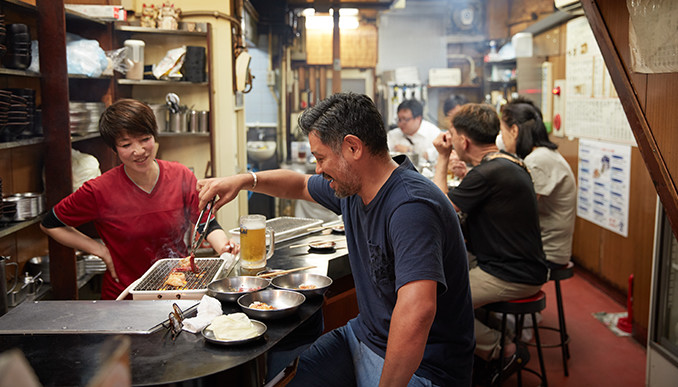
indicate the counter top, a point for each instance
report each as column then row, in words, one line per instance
column 73, row 359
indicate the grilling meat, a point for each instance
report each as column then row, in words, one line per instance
column 176, row 279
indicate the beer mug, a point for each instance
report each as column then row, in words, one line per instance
column 253, row 241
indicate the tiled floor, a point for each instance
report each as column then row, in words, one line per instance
column 598, row 356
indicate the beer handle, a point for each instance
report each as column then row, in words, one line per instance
column 270, row 251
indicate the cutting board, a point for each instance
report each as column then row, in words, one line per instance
column 103, row 317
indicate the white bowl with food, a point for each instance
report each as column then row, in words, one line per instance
column 232, row 329
column 229, row 289
column 308, row 284
column 271, row 303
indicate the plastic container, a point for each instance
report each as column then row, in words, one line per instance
column 135, row 54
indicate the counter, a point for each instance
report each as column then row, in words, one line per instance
column 73, row 359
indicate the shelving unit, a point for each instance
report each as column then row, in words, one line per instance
column 195, row 150
column 499, row 78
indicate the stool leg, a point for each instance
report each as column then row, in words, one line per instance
column 519, row 333
column 501, row 350
column 564, row 346
column 539, row 352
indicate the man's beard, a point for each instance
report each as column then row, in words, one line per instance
column 346, row 188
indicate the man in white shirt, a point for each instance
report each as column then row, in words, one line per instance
column 414, row 134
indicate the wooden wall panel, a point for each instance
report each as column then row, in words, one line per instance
column 497, row 26
column 358, row 47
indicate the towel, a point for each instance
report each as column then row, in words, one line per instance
column 208, row 309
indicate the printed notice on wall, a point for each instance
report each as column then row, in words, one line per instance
column 592, row 107
column 604, row 181
column 653, row 41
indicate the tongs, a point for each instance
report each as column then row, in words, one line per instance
column 198, row 235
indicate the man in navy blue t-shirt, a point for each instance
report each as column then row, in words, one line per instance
column 406, row 250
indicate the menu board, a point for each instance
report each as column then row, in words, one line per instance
column 603, row 187
column 592, row 107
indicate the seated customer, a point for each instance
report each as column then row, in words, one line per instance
column 501, row 225
column 524, row 134
column 414, row 134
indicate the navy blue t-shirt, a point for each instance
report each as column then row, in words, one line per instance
column 408, row 232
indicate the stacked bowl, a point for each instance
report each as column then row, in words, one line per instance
column 18, row 55
column 3, row 35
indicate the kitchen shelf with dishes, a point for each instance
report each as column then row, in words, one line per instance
column 12, row 227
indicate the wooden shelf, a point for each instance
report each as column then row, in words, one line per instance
column 81, row 76
column 152, row 82
column 146, row 30
column 19, row 73
column 11, row 228
column 183, row 134
column 455, row 87
column 83, row 137
column 20, row 143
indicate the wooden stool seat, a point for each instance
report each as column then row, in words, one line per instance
column 519, row 308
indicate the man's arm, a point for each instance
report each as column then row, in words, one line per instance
column 443, row 145
column 411, row 322
column 280, row 183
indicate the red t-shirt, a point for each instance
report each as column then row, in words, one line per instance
column 137, row 227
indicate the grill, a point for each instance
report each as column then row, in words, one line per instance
column 286, row 227
column 152, row 283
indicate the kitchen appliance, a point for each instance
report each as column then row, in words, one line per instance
column 151, row 286
column 135, row 56
column 3, row 282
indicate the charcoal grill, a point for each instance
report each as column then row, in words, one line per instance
column 151, row 286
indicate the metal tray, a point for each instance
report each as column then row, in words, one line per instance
column 151, row 285
column 208, row 334
column 286, row 227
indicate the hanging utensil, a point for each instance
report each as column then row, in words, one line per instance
column 173, row 102
column 198, row 235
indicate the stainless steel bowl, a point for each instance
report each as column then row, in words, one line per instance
column 285, row 302
column 231, row 288
column 294, row 281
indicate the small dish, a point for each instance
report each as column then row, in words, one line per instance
column 322, row 247
column 339, row 229
column 208, row 334
column 308, row 284
column 284, row 303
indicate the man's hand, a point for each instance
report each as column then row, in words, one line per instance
column 443, row 144
column 227, row 188
column 457, row 166
column 402, row 148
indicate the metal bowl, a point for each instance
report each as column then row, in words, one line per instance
column 285, row 302
column 294, row 281
column 231, row 288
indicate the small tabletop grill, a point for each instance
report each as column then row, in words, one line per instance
column 151, row 286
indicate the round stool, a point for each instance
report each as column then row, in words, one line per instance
column 558, row 273
column 519, row 308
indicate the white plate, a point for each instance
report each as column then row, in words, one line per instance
column 208, row 334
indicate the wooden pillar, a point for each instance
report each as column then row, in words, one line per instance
column 54, row 88
column 312, row 81
column 336, row 54
column 322, row 80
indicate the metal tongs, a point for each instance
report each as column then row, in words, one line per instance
column 198, row 235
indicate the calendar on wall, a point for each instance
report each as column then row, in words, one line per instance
column 592, row 106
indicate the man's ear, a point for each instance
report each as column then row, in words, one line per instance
column 353, row 146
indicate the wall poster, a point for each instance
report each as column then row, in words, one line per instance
column 592, row 107
column 603, row 186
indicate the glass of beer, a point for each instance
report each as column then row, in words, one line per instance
column 253, row 232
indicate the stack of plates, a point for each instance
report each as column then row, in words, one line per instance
column 29, row 96
column 94, row 264
column 3, row 35
column 84, row 117
column 17, row 117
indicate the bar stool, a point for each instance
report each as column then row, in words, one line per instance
column 519, row 308
column 557, row 274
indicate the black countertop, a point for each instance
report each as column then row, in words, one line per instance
column 74, row 359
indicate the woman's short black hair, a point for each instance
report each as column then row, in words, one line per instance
column 531, row 130
column 127, row 116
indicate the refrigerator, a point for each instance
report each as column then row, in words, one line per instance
column 662, row 348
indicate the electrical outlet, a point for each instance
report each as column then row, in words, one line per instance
column 270, row 78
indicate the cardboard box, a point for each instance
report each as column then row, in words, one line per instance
column 444, row 77
column 104, row 12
